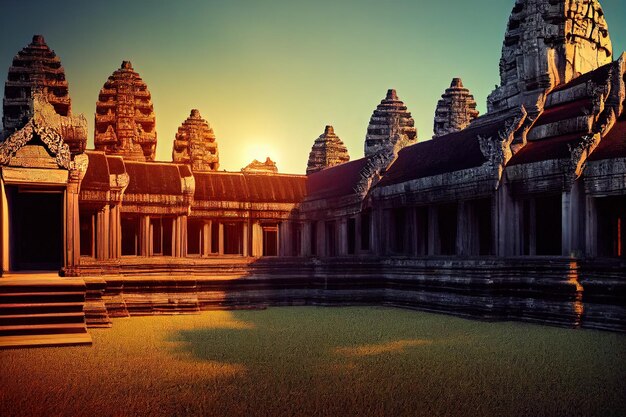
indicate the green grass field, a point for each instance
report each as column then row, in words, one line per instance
column 305, row 361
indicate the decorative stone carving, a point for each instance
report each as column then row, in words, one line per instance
column 47, row 125
column 36, row 70
column 327, row 151
column 125, row 123
column 456, row 109
column 267, row 167
column 548, row 43
column 498, row 151
column 390, row 122
column 195, row 144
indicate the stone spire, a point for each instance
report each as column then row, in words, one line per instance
column 327, row 151
column 256, row 167
column 36, row 69
column 125, row 120
column 455, row 110
column 195, row 144
column 548, row 43
column 391, row 124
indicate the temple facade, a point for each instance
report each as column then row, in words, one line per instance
column 537, row 181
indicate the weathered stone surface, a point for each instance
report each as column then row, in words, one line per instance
column 195, row 144
column 391, row 124
column 125, row 120
column 327, row 151
column 36, row 69
column 548, row 43
column 456, row 109
column 267, row 167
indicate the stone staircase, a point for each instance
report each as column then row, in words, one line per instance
column 42, row 310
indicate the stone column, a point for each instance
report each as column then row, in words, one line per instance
column 257, row 239
column 115, row 232
column 462, row 228
column 246, row 240
column 72, row 227
column 4, row 225
column 321, row 238
column 591, row 226
column 220, row 239
column 342, row 237
column 532, row 227
column 206, row 239
column 566, row 223
column 145, row 241
column 102, row 233
column 434, row 245
column 507, row 222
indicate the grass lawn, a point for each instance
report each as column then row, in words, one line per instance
column 306, row 361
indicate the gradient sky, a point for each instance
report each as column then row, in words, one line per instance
column 269, row 75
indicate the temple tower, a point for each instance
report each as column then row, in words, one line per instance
column 125, row 120
column 36, row 68
column 195, row 144
column 391, row 125
column 548, row 43
column 456, row 109
column 327, row 151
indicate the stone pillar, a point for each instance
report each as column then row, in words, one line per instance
column 4, row 225
column 434, row 244
column 72, row 227
column 145, row 237
column 532, row 227
column 115, row 232
column 206, row 239
column 102, row 233
column 507, row 222
column 284, row 236
column 246, row 240
column 179, row 237
column 591, row 227
column 321, row 238
column 566, row 223
column 257, row 239
column 342, row 237
column 462, row 229
column 220, row 249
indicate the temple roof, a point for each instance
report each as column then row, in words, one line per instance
column 97, row 175
column 249, row 187
column 336, row 181
column 155, row 178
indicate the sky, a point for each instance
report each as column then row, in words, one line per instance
column 270, row 75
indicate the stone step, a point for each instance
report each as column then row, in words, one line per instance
column 41, row 329
column 42, row 297
column 41, row 318
column 36, row 308
column 7, row 342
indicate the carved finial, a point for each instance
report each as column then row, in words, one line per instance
column 195, row 114
column 127, row 65
column 38, row 40
column 391, row 95
column 456, row 83
column 329, row 130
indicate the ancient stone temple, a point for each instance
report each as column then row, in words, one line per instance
column 548, row 43
column 390, row 124
column 456, row 109
column 519, row 215
column 327, row 151
column 125, row 120
column 37, row 68
column 195, row 144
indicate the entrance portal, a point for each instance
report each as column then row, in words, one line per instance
column 36, row 229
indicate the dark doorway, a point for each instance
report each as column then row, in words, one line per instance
column 448, row 228
column 87, row 227
column 270, row 241
column 37, row 229
column 331, row 243
column 548, row 215
column 194, row 236
column 612, row 226
column 130, row 236
column 233, row 238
